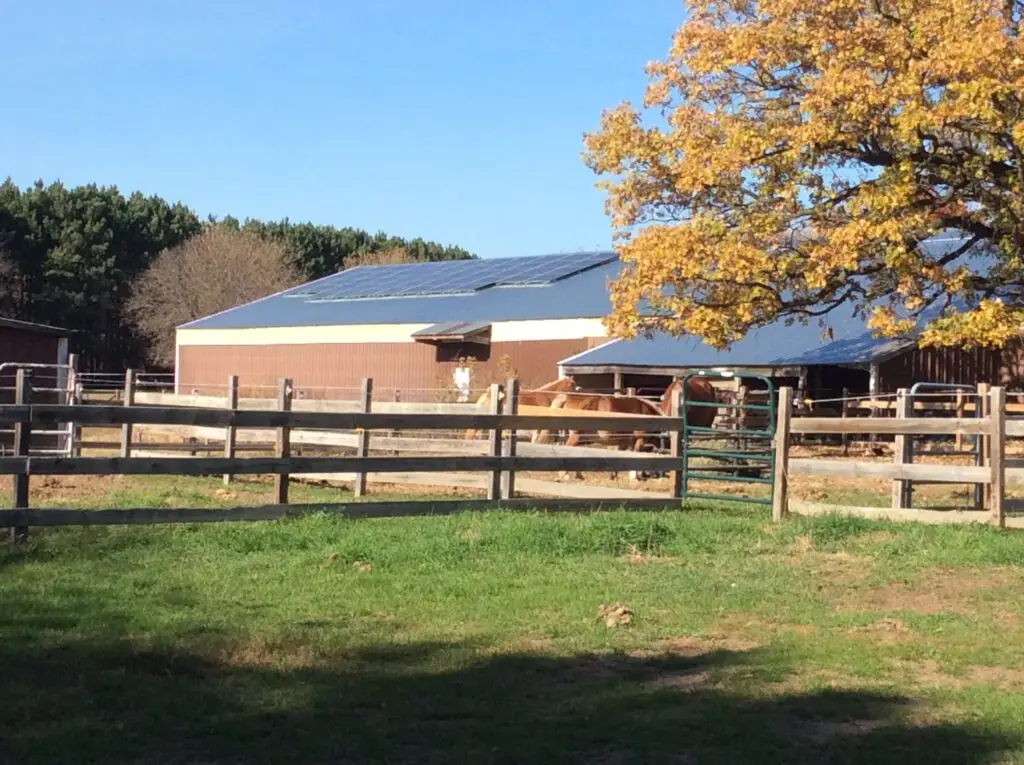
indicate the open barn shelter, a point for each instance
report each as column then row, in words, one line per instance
column 824, row 358
column 414, row 328
column 821, row 362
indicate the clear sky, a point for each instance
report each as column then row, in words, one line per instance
column 455, row 120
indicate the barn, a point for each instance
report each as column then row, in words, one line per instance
column 23, row 342
column 820, row 362
column 416, row 329
column 424, row 330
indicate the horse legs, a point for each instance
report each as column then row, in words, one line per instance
column 573, row 439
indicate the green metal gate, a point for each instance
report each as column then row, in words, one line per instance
column 749, row 456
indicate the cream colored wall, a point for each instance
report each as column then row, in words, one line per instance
column 501, row 332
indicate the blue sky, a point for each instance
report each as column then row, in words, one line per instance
column 457, row 121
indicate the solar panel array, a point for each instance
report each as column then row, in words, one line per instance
column 452, row 277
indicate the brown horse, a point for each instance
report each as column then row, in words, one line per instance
column 613, row 405
column 697, row 389
column 542, row 396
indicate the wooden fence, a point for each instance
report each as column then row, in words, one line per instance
column 990, row 475
column 502, row 459
column 501, row 462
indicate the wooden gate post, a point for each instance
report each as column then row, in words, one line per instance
column 675, row 443
column 780, row 483
column 230, row 435
column 983, row 409
column 71, row 399
column 22, row 438
column 283, row 448
column 997, row 453
column 129, row 400
column 494, row 484
column 508, row 477
column 363, row 443
column 844, row 413
column 901, row 489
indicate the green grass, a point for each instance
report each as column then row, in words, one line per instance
column 475, row 638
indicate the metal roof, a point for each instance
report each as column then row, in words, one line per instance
column 580, row 295
column 454, row 330
column 777, row 345
column 29, row 326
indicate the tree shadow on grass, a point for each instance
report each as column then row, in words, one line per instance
column 113, row 700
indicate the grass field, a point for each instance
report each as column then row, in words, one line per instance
column 477, row 638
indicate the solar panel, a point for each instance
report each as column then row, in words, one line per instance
column 454, row 277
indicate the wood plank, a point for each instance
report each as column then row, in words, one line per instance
column 902, row 452
column 116, row 415
column 1014, row 428
column 510, row 442
column 12, row 414
column 303, row 405
column 911, row 426
column 780, row 485
column 997, row 453
column 275, row 466
column 400, row 509
column 494, row 439
column 283, row 447
column 363, row 437
column 934, row 473
column 22, row 443
column 230, row 433
column 900, row 514
column 384, row 443
column 128, row 399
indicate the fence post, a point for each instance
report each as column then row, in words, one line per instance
column 283, row 447
column 22, row 437
column 129, row 400
column 71, row 384
column 494, row 484
column 844, row 413
column 508, row 477
column 961, row 402
column 363, row 444
column 230, row 434
column 780, row 484
column 675, row 443
column 997, row 453
column 901, row 489
column 983, row 409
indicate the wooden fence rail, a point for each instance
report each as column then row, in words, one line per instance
column 290, row 424
column 990, row 474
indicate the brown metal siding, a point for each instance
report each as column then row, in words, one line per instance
column 953, row 365
column 418, row 370
column 28, row 348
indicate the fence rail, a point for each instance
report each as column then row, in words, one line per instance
column 286, row 423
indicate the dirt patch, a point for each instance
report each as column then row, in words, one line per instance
column 741, row 622
column 530, row 645
column 48, row 489
column 931, row 592
column 884, row 631
column 1009, row 679
column 691, row 645
column 928, row 673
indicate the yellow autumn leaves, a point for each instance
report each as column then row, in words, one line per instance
column 804, row 152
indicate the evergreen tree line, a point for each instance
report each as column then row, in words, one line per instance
column 69, row 257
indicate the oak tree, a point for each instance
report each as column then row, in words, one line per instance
column 791, row 157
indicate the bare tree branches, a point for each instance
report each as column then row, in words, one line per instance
column 215, row 271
